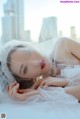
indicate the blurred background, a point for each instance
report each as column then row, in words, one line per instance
column 36, row 21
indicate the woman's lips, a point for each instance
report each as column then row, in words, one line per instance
column 42, row 64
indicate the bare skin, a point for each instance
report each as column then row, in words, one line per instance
column 28, row 63
column 68, row 53
column 66, row 50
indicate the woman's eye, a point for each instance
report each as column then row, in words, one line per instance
column 25, row 69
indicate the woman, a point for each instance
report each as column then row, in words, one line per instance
column 24, row 64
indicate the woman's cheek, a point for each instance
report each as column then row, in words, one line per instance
column 37, row 73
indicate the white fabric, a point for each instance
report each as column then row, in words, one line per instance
column 52, row 103
column 49, row 95
column 41, row 111
column 72, row 74
column 52, row 95
column 55, row 104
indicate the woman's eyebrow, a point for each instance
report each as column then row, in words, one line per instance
column 21, row 68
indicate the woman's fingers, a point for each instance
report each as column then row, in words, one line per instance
column 26, row 95
column 12, row 85
column 15, row 94
column 13, row 89
column 47, row 80
column 20, row 96
column 31, row 93
column 43, row 83
column 37, row 84
column 50, row 84
column 47, row 83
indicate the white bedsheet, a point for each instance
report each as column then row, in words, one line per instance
column 40, row 111
column 48, row 109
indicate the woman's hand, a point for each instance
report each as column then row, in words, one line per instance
column 51, row 81
column 37, row 84
column 14, row 92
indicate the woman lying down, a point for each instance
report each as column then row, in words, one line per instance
column 25, row 72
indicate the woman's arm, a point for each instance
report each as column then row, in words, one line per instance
column 53, row 81
column 74, row 47
column 14, row 91
column 66, row 49
column 61, row 82
column 73, row 90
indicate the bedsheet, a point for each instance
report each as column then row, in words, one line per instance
column 40, row 111
column 50, row 108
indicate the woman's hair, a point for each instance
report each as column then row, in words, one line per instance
column 23, row 82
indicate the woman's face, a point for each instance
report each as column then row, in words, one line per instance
column 28, row 63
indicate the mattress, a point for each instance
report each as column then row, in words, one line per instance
column 40, row 111
column 59, row 106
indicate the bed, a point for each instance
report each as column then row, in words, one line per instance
column 43, row 110
column 40, row 111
